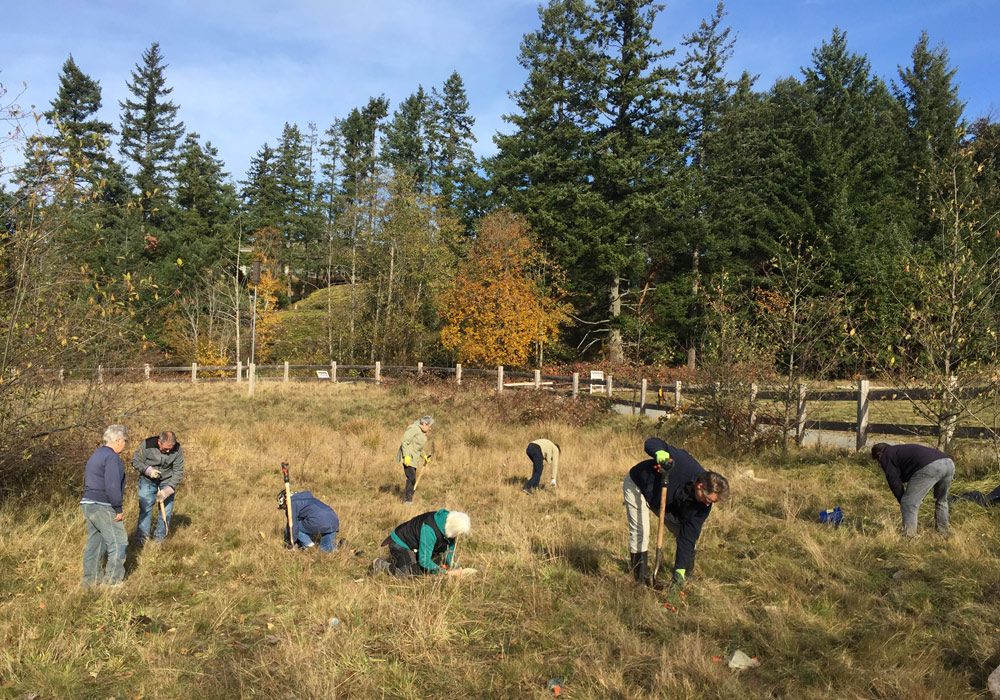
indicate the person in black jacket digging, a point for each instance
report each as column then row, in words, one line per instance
column 691, row 491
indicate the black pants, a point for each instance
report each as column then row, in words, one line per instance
column 534, row 453
column 411, row 481
column 404, row 561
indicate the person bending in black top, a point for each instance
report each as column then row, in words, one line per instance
column 691, row 491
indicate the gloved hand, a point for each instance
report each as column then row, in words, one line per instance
column 427, row 459
column 676, row 592
column 153, row 473
column 662, row 457
column 161, row 496
column 406, row 460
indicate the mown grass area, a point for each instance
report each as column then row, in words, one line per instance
column 222, row 610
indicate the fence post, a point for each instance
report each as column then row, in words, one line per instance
column 145, row 371
column 62, row 374
column 576, row 384
column 251, row 378
column 286, row 370
column 239, row 371
column 378, row 372
column 333, row 372
column 420, row 369
column 609, row 385
column 499, row 379
column 642, row 397
column 752, row 416
column 458, row 373
column 194, row 372
column 800, row 421
column 100, row 374
column 862, row 414
column 677, row 394
column 538, row 379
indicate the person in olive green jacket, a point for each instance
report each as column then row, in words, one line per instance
column 541, row 452
column 410, row 452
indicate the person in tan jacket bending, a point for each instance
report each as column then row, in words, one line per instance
column 540, row 452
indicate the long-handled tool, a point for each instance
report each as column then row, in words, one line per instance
column 288, row 502
column 659, row 534
column 163, row 514
column 427, row 463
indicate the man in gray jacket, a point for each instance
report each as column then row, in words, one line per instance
column 160, row 463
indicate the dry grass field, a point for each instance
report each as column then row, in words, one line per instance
column 222, row 610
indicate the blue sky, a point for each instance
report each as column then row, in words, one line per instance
column 241, row 68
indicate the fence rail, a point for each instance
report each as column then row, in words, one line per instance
column 669, row 397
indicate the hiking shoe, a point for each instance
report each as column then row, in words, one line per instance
column 380, row 565
column 525, row 489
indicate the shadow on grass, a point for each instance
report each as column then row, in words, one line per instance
column 585, row 559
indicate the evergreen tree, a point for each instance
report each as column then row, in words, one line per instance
column 150, row 131
column 633, row 152
column 81, row 142
column 407, row 139
column 933, row 123
column 454, row 163
column 543, row 168
column 261, row 194
column 202, row 234
column 705, row 245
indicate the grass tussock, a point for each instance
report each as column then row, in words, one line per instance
column 221, row 610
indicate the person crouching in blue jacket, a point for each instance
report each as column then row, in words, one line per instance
column 311, row 518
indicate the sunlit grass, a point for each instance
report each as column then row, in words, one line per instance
column 221, row 610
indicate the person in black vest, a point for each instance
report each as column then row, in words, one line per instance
column 921, row 469
column 425, row 544
column 691, row 491
column 160, row 462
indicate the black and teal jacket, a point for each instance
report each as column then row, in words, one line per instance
column 424, row 535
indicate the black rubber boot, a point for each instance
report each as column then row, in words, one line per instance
column 642, row 569
column 634, row 564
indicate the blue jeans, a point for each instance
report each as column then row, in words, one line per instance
column 534, row 453
column 148, row 507
column 937, row 475
column 327, row 541
column 104, row 536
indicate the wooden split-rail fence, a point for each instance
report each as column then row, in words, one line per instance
column 667, row 398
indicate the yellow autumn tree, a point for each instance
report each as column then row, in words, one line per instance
column 506, row 299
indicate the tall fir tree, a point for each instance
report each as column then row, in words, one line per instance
column 454, row 162
column 927, row 91
column 699, row 242
column 81, row 142
column 150, row 131
column 406, row 147
column 202, row 234
column 633, row 153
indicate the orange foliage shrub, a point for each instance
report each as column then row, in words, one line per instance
column 505, row 298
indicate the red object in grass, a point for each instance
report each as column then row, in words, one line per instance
column 557, row 690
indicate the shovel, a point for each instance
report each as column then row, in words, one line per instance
column 427, row 463
column 659, row 534
column 163, row 514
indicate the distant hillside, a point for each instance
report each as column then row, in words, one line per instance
column 303, row 336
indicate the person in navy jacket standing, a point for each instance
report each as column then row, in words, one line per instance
column 103, row 491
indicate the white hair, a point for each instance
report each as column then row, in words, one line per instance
column 115, row 431
column 427, row 420
column 456, row 524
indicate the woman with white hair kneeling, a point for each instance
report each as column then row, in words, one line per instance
column 426, row 545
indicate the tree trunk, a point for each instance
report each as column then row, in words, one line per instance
column 616, row 352
column 695, row 288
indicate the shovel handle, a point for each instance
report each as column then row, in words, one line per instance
column 659, row 534
column 163, row 514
